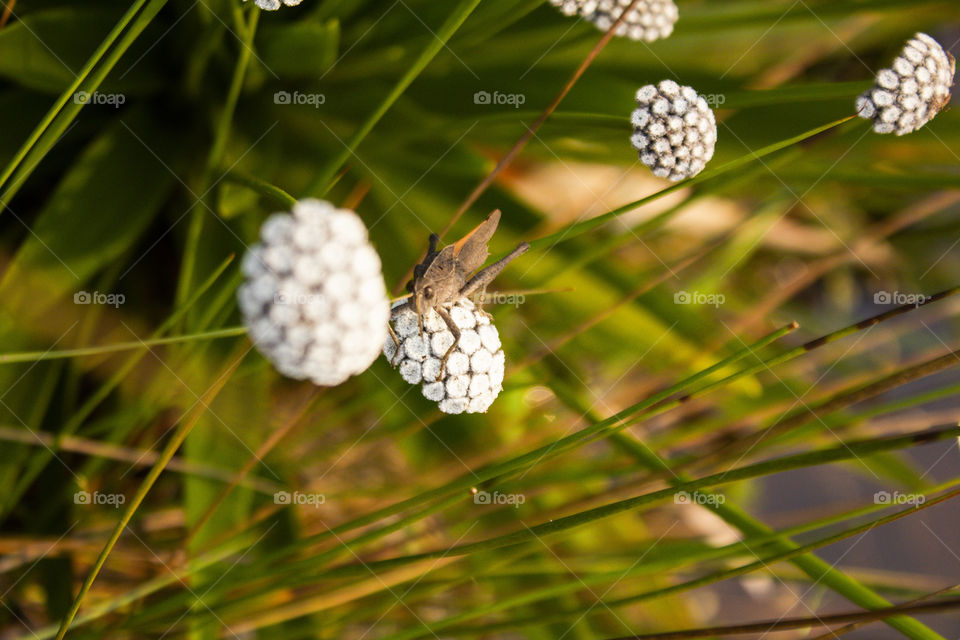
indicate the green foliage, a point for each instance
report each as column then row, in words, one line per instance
column 146, row 142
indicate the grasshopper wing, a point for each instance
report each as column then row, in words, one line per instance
column 471, row 249
column 442, row 275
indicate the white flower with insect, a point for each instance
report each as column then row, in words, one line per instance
column 473, row 375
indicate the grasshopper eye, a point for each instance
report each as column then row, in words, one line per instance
column 428, row 292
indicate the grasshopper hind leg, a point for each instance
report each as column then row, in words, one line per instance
column 455, row 330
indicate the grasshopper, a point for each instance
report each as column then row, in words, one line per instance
column 444, row 277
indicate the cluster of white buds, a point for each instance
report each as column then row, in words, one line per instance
column 473, row 375
column 314, row 300
column 648, row 20
column 674, row 130
column 910, row 93
column 273, row 5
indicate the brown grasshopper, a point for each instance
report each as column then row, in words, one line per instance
column 444, row 277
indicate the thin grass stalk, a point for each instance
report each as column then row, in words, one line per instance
column 51, row 130
column 76, row 420
column 176, row 439
column 325, row 179
column 68, row 93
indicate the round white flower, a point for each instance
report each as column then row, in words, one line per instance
column 912, row 91
column 273, row 5
column 649, row 20
column 674, row 130
column 313, row 308
column 473, row 375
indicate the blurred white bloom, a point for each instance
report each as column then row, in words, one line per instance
column 910, row 93
column 473, row 376
column 273, row 5
column 314, row 300
column 649, row 20
column 674, row 130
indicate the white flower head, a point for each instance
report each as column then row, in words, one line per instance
column 473, row 376
column 649, row 20
column 314, row 299
column 273, row 5
column 912, row 91
column 674, row 130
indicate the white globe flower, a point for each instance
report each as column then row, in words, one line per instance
column 314, row 300
column 649, row 20
column 674, row 130
column 273, row 5
column 912, row 91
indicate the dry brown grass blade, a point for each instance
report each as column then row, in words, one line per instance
column 836, row 633
column 7, row 12
column 130, row 455
column 831, row 405
column 782, row 624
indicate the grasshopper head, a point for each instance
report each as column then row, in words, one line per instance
column 424, row 299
